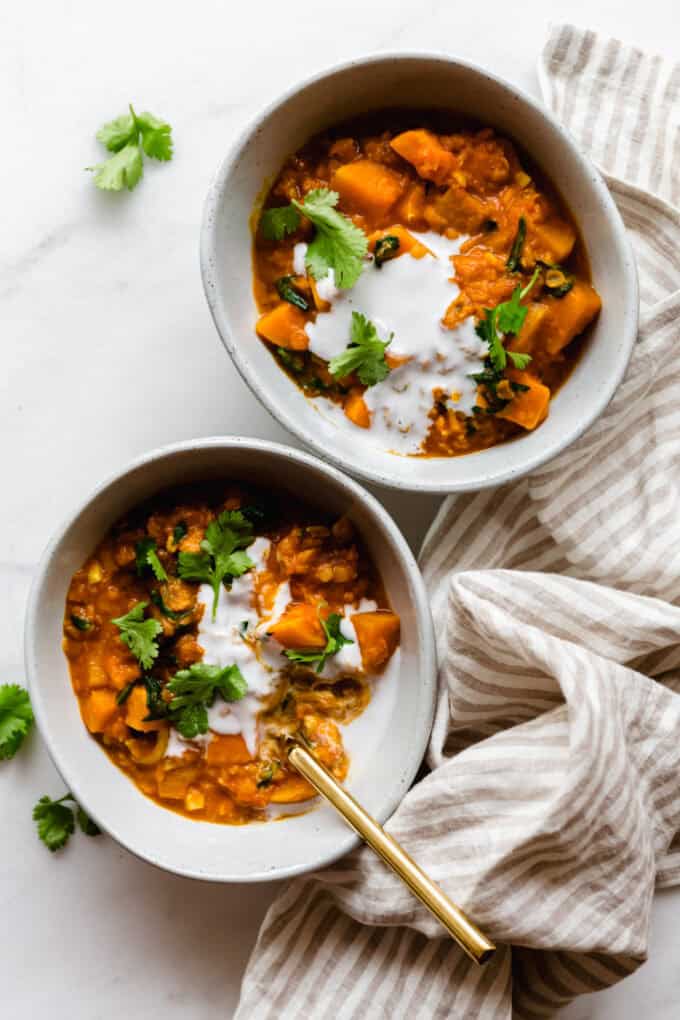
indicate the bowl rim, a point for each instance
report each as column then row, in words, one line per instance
column 413, row 754
column 208, row 248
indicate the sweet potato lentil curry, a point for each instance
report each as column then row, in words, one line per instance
column 212, row 626
column 422, row 282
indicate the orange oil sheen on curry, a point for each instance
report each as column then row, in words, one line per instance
column 464, row 315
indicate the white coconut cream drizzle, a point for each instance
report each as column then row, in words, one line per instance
column 406, row 297
column 239, row 636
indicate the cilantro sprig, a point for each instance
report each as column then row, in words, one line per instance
column 139, row 635
column 146, row 555
column 16, row 719
column 128, row 137
column 508, row 317
column 194, row 690
column 55, row 822
column 222, row 557
column 335, row 640
column 279, row 221
column 338, row 243
column 365, row 354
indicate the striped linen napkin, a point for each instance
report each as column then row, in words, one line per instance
column 553, row 803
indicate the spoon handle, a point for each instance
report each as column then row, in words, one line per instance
column 466, row 934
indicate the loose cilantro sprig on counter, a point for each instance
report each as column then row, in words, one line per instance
column 56, row 824
column 54, row 819
column 139, row 635
column 129, row 137
column 222, row 557
column 335, row 640
column 338, row 243
column 365, row 355
column 16, row 719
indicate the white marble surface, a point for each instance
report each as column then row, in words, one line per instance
column 108, row 350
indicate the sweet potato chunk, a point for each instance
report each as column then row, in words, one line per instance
column 136, row 710
column 551, row 241
column 174, row 785
column 284, row 326
column 530, row 408
column 98, row 709
column 356, row 410
column 292, row 790
column 299, row 627
column 531, row 330
column 461, row 210
column 569, row 316
column 227, row 749
column 378, row 636
column 367, row 187
column 411, row 208
column 426, row 153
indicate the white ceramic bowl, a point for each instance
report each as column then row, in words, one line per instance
column 224, row 853
column 416, row 80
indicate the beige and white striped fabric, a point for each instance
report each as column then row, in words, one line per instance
column 554, row 797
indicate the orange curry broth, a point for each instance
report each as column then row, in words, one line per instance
column 327, row 568
column 400, row 171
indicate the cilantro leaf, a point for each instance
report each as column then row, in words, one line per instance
column 178, row 532
column 222, row 557
column 335, row 640
column 123, row 170
column 195, row 567
column 86, row 824
column 54, row 820
column 194, row 690
column 125, row 693
column 515, row 255
column 157, row 706
column 276, row 223
column 56, row 824
column 146, row 555
column 127, row 137
column 287, row 292
column 338, row 243
column 192, row 720
column 80, row 622
column 508, row 317
column 16, row 719
column 385, row 249
column 365, row 354
column 156, row 136
column 520, row 361
column 486, row 330
column 117, row 133
column 139, row 634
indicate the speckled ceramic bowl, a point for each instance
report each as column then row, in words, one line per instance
column 416, row 80
column 381, row 771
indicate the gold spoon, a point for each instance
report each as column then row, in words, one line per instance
column 467, row 935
